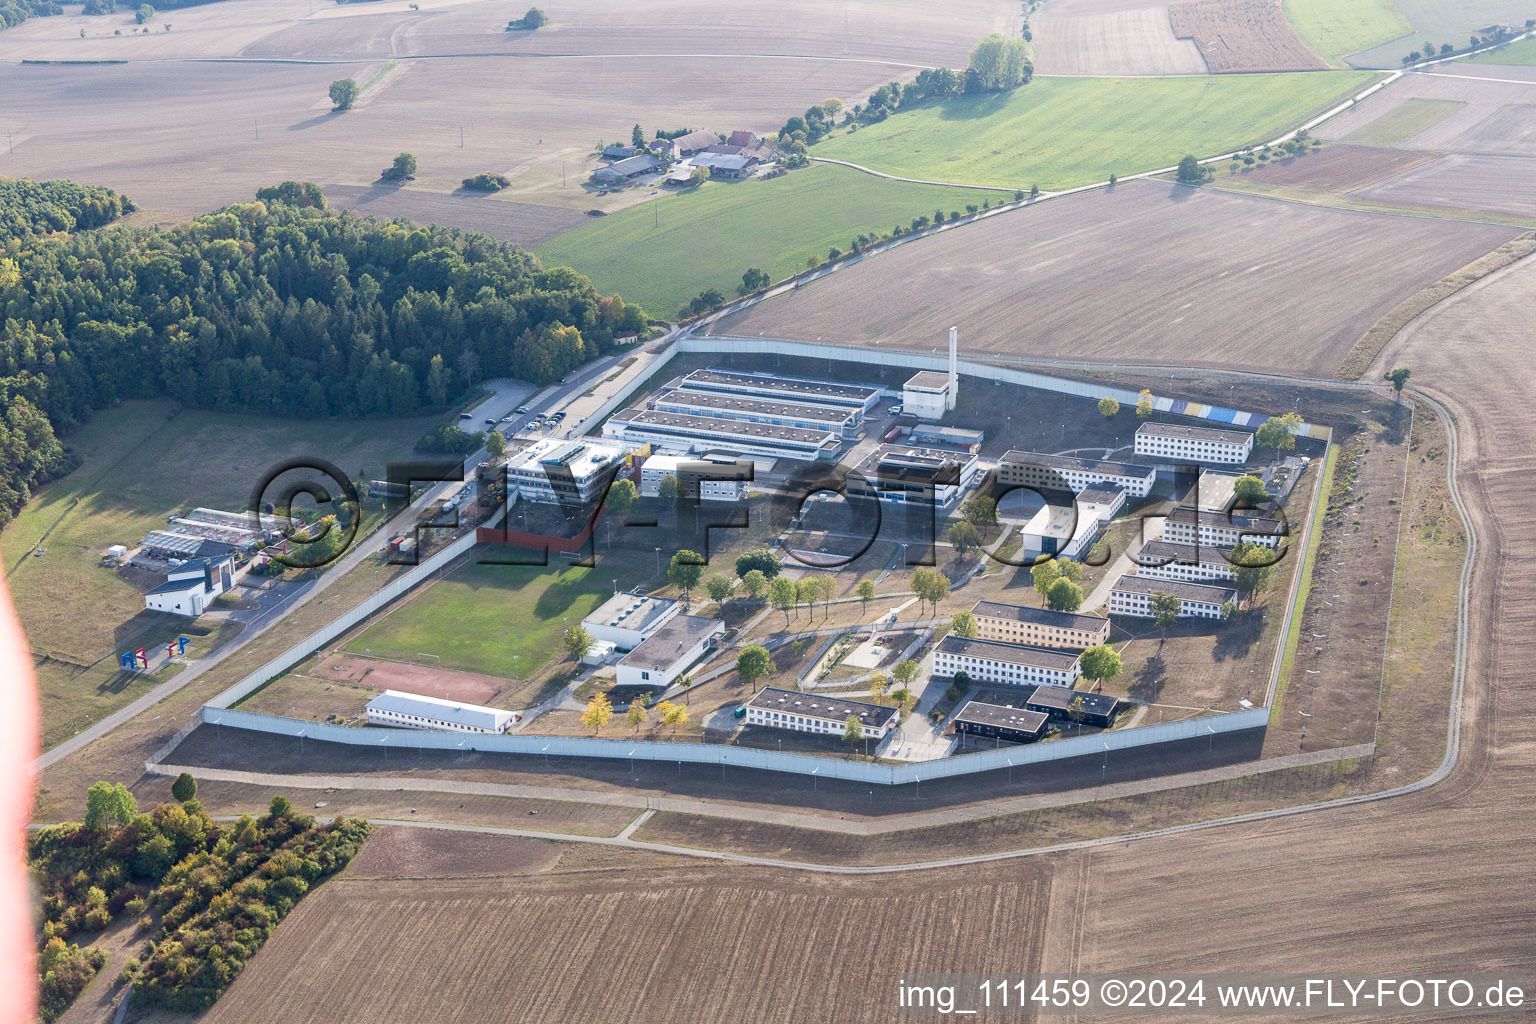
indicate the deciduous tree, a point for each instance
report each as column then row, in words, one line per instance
column 1100, row 663
column 753, row 664
column 719, row 587
column 783, row 595
column 964, row 625
column 1064, row 596
column 597, row 713
column 1108, row 407
column 755, row 584
column 684, row 572
column 577, row 641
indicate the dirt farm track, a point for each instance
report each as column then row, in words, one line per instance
column 1436, row 881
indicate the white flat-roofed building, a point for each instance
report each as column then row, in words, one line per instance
column 1175, row 442
column 1046, row 472
column 902, row 475
column 192, row 586
column 701, row 433
column 625, row 620
column 718, row 478
column 1064, row 531
column 809, row 712
column 1107, row 496
column 1221, row 529
column 1132, row 595
column 669, row 651
column 553, row 471
column 1037, row 627
column 1189, row 563
column 842, row 420
column 1011, row 664
column 787, row 389
column 926, row 395
column 413, row 711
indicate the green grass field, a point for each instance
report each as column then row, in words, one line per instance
column 141, row 461
column 502, row 620
column 1334, row 30
column 1521, row 54
column 1061, row 132
column 664, row 252
column 1403, row 122
column 1443, row 21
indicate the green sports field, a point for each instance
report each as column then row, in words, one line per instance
column 1061, row 132
column 665, row 251
column 502, row 620
column 1334, row 30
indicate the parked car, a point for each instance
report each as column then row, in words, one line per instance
column 894, row 410
column 557, row 417
column 464, row 415
column 522, row 410
column 491, row 420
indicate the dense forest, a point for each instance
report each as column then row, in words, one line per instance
column 274, row 307
column 14, row 12
column 39, row 207
column 205, row 895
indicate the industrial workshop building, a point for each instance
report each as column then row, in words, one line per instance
column 841, row 420
column 678, row 432
column 1038, row 627
column 809, row 712
column 785, row 389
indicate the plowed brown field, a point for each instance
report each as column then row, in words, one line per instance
column 1338, row 168
column 1148, row 272
column 1498, row 184
column 733, row 946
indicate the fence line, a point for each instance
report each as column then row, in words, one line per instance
column 743, row 757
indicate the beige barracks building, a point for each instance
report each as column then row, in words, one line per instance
column 1037, row 627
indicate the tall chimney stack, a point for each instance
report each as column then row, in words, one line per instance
column 954, row 368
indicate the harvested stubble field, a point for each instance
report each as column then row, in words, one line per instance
column 1243, row 35
column 1493, row 116
column 1498, row 184
column 765, row 941
column 1064, row 279
column 1336, row 169
column 522, row 224
column 1110, row 37
column 906, row 32
column 252, row 124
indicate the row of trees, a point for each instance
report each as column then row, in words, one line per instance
column 1496, row 34
column 278, row 308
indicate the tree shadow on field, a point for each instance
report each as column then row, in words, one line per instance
column 1147, row 685
column 969, row 108
column 1178, row 193
column 318, row 119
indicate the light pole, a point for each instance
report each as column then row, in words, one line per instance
column 1210, row 743
column 658, row 561
column 546, row 755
